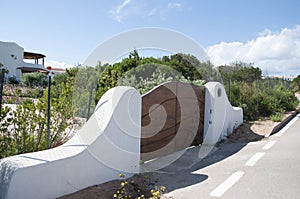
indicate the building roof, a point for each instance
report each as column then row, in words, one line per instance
column 55, row 70
column 29, row 67
column 31, row 55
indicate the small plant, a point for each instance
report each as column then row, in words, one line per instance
column 140, row 190
column 277, row 117
column 18, row 92
column 34, row 93
column 158, row 191
column 129, row 189
column 9, row 101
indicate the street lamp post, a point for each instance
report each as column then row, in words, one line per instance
column 49, row 110
column 1, row 86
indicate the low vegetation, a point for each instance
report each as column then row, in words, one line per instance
column 25, row 129
column 295, row 85
column 145, row 73
column 143, row 188
column 258, row 96
column 75, row 93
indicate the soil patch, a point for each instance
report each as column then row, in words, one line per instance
column 144, row 182
column 254, row 131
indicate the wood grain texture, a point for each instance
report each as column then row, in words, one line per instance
column 172, row 119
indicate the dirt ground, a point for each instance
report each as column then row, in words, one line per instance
column 254, row 131
column 108, row 189
column 247, row 132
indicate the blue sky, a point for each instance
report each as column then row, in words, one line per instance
column 67, row 31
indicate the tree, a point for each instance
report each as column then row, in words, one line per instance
column 241, row 72
column 295, row 85
column 186, row 66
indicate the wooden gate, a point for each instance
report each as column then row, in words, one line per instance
column 172, row 119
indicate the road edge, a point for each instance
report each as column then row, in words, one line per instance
column 279, row 126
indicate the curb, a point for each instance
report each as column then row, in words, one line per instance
column 279, row 126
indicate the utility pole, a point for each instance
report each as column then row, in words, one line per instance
column 48, row 110
column 1, row 85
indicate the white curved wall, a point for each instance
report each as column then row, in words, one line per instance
column 108, row 144
column 220, row 117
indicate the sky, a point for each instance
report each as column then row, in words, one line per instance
column 266, row 33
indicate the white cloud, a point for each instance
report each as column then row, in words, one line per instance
column 274, row 53
column 121, row 6
column 117, row 11
column 265, row 32
column 152, row 12
column 56, row 64
column 174, row 5
column 144, row 8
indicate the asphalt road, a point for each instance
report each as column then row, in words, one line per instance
column 265, row 169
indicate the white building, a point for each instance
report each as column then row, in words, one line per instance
column 12, row 58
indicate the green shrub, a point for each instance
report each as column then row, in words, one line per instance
column 18, row 92
column 13, row 80
column 262, row 98
column 34, row 79
column 6, row 139
column 295, row 84
column 156, row 74
column 277, row 117
column 9, row 101
column 25, row 129
column 170, row 68
column 33, row 93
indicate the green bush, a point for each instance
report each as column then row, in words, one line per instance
column 18, row 92
column 277, row 117
column 35, row 79
column 295, row 84
column 262, row 97
column 6, row 139
column 156, row 74
column 85, row 84
column 25, row 130
column 23, row 91
column 140, row 70
column 257, row 96
column 33, row 93
column 13, row 80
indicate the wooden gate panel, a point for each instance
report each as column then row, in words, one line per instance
column 172, row 119
column 158, row 115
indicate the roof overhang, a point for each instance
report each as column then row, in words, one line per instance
column 31, row 55
column 29, row 67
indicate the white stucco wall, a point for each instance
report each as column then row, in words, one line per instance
column 11, row 56
column 108, row 144
column 220, row 117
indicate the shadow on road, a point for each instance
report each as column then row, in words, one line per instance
column 181, row 173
